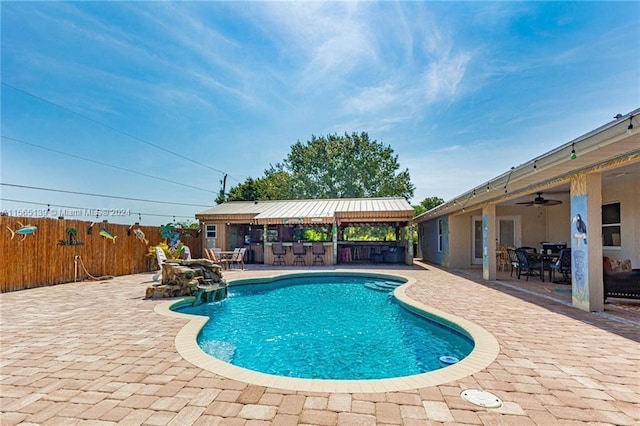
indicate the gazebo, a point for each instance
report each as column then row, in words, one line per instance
column 258, row 225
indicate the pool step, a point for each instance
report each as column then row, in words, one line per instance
column 383, row 286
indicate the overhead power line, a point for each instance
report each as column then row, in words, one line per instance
column 92, row 209
column 122, row 132
column 100, row 195
column 105, row 164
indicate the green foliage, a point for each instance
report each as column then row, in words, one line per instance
column 349, row 166
column 312, row 233
column 275, row 185
column 187, row 224
column 369, row 233
column 171, row 254
column 427, row 204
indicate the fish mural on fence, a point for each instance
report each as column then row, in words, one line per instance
column 107, row 234
column 23, row 230
column 140, row 235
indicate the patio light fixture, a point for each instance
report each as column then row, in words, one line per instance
column 508, row 179
column 573, row 151
column 630, row 125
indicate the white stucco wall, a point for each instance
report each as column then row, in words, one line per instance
column 628, row 195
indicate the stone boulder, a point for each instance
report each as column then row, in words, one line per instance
column 182, row 278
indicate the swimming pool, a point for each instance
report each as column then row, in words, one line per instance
column 327, row 327
column 484, row 352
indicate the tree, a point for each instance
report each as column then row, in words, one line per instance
column 349, row 166
column 275, row 185
column 427, row 204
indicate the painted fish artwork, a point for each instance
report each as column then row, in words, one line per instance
column 107, row 234
column 140, row 235
column 23, row 230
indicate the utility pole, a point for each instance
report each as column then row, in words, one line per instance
column 224, row 186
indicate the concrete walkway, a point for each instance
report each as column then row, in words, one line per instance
column 97, row 353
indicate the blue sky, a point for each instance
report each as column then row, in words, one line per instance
column 461, row 91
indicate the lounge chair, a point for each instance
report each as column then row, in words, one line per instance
column 160, row 257
column 186, row 254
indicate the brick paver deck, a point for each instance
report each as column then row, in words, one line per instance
column 97, row 353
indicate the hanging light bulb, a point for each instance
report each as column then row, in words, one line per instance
column 573, row 152
column 630, row 128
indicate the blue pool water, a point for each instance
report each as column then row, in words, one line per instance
column 328, row 327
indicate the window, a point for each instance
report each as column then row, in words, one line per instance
column 611, row 225
column 440, row 235
column 212, row 231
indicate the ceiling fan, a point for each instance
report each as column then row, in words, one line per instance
column 539, row 201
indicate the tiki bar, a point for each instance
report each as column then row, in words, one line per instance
column 312, row 232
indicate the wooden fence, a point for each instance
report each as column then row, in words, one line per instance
column 46, row 257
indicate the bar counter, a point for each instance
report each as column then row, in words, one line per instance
column 308, row 257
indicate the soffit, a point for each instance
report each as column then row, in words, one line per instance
column 610, row 147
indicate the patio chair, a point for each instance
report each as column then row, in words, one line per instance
column 278, row 251
column 563, row 265
column 160, row 257
column 502, row 257
column 529, row 249
column 317, row 249
column 211, row 255
column 513, row 259
column 236, row 258
column 527, row 264
column 299, row 251
column 186, row 254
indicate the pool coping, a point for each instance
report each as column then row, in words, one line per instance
column 485, row 351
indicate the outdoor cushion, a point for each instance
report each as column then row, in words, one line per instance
column 620, row 265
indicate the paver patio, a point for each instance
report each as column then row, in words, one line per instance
column 97, row 353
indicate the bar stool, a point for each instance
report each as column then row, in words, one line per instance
column 356, row 253
column 344, row 255
column 299, row 251
column 365, row 252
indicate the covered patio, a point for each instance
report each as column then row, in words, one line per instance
column 582, row 195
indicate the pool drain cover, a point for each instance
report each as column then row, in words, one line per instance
column 481, row 398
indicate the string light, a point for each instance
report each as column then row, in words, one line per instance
column 573, row 151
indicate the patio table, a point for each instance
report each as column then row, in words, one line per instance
column 225, row 255
column 545, row 259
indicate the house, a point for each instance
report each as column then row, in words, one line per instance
column 584, row 193
column 311, row 224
